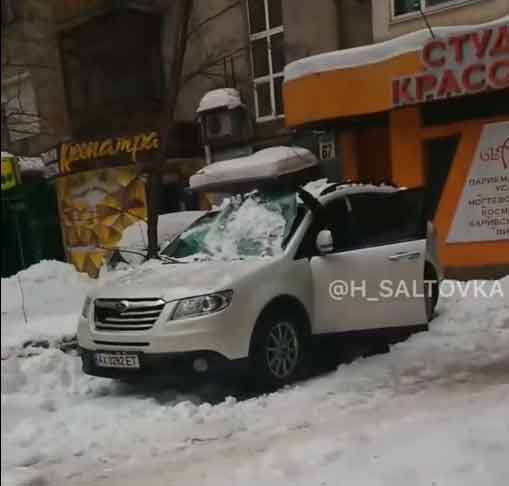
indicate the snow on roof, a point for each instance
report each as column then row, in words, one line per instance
column 6, row 155
column 220, row 98
column 31, row 164
column 368, row 54
column 265, row 164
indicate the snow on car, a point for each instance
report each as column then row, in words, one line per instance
column 252, row 284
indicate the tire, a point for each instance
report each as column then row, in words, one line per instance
column 431, row 291
column 280, row 349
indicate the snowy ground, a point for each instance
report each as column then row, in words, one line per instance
column 433, row 411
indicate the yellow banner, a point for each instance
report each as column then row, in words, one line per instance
column 9, row 173
column 70, row 153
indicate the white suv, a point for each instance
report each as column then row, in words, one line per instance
column 256, row 281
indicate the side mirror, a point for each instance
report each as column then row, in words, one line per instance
column 324, row 242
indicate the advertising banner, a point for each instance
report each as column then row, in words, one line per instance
column 483, row 209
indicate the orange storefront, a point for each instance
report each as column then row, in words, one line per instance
column 423, row 110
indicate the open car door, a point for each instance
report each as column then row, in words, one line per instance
column 392, row 229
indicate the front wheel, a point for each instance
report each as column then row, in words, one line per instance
column 279, row 350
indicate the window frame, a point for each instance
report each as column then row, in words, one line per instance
column 446, row 5
column 269, row 78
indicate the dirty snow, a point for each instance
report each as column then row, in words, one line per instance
column 433, row 411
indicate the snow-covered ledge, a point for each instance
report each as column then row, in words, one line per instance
column 228, row 98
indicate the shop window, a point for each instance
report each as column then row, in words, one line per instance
column 402, row 7
column 266, row 35
column 439, row 155
column 463, row 108
column 112, row 67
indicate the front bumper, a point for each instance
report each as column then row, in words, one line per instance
column 225, row 333
column 164, row 364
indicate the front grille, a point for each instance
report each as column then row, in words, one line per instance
column 126, row 314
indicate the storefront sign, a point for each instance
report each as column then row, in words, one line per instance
column 460, row 64
column 483, row 209
column 10, row 176
column 117, row 151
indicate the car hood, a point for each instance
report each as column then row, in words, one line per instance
column 178, row 280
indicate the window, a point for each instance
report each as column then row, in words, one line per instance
column 336, row 218
column 402, row 7
column 19, row 107
column 112, row 68
column 381, row 219
column 266, row 35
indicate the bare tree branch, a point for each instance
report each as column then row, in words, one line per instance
column 198, row 26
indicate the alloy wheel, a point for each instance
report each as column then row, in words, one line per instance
column 282, row 350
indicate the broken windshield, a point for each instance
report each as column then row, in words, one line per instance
column 257, row 224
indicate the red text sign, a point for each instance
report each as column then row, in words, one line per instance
column 460, row 64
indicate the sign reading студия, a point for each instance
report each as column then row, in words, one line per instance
column 470, row 62
column 121, row 150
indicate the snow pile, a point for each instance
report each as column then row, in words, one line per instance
column 52, row 292
column 432, row 411
column 220, row 98
column 265, row 164
column 369, row 54
column 252, row 229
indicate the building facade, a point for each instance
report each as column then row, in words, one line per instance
column 87, row 85
column 427, row 106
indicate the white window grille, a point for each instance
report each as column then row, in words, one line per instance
column 266, row 35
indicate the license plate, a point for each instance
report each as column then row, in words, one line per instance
column 117, row 360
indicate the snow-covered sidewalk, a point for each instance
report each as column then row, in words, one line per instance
column 41, row 303
column 433, row 411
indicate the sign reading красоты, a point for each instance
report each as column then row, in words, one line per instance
column 483, row 209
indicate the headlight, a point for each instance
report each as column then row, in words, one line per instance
column 202, row 305
column 85, row 311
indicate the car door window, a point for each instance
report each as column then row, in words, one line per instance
column 385, row 218
column 336, row 218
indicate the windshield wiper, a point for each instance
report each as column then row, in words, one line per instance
column 167, row 259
